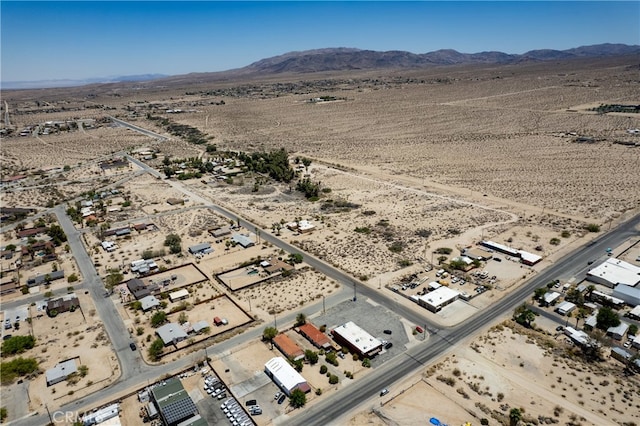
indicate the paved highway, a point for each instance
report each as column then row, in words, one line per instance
column 342, row 402
column 139, row 129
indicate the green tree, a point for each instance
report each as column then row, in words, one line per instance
column 17, row 344
column 524, row 316
column 515, row 415
column 333, row 379
column 158, row 318
column 301, row 319
column 298, row 398
column 182, row 318
column 3, row 414
column 311, row 356
column 306, row 162
column 575, row 296
column 16, row 368
column 366, row 363
column 539, row 293
column 606, row 318
column 269, row 334
column 114, row 278
column 633, row 330
column 323, row 369
column 295, row 258
column 57, row 234
column 155, row 349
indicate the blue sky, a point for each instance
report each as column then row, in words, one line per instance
column 75, row 40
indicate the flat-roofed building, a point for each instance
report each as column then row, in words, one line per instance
column 285, row 376
column 357, row 340
column 501, row 248
column 199, row 248
column 244, row 240
column 550, row 297
column 60, row 372
column 288, row 347
column 631, row 295
column 565, row 308
column 179, row 295
column 635, row 313
column 437, row 299
column 618, row 331
column 613, row 272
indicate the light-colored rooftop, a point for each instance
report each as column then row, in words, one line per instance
column 358, row 337
column 439, row 296
column 616, row 271
column 285, row 374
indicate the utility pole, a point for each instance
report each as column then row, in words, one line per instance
column 47, row 408
column 323, row 311
column 354, row 291
column 275, row 324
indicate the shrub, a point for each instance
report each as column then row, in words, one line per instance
column 554, row 241
column 323, row 369
column 592, row 227
column 333, row 379
column 17, row 344
column 565, row 234
column 72, row 278
column 444, row 250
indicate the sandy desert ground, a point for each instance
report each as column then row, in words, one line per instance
column 511, row 367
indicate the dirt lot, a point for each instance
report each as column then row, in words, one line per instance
column 538, row 372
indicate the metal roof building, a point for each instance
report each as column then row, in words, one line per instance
column 615, row 271
column 61, row 371
column 243, row 240
column 618, row 331
column 631, row 295
column 357, row 339
column 565, row 308
column 199, row 248
column 171, row 333
column 285, row 376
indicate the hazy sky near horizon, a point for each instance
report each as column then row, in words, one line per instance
column 84, row 39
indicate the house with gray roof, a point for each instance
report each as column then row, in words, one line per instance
column 61, row 371
column 171, row 333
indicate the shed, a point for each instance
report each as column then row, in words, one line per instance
column 200, row 325
column 179, row 295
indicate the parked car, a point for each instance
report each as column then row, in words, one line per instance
column 419, row 329
column 132, row 346
column 388, row 345
column 497, row 259
column 277, row 395
column 387, row 331
column 282, row 398
column 384, row 391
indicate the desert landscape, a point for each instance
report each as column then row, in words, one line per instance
column 410, row 167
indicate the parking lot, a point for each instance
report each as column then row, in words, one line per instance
column 375, row 319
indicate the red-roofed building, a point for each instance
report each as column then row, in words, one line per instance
column 315, row 336
column 288, row 347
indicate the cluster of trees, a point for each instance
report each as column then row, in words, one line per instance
column 17, row 367
column 173, row 242
column 524, row 316
column 310, row 189
column 274, row 163
column 17, row 344
column 189, row 133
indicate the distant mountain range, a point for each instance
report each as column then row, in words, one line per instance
column 39, row 84
column 345, row 59
column 340, row 59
